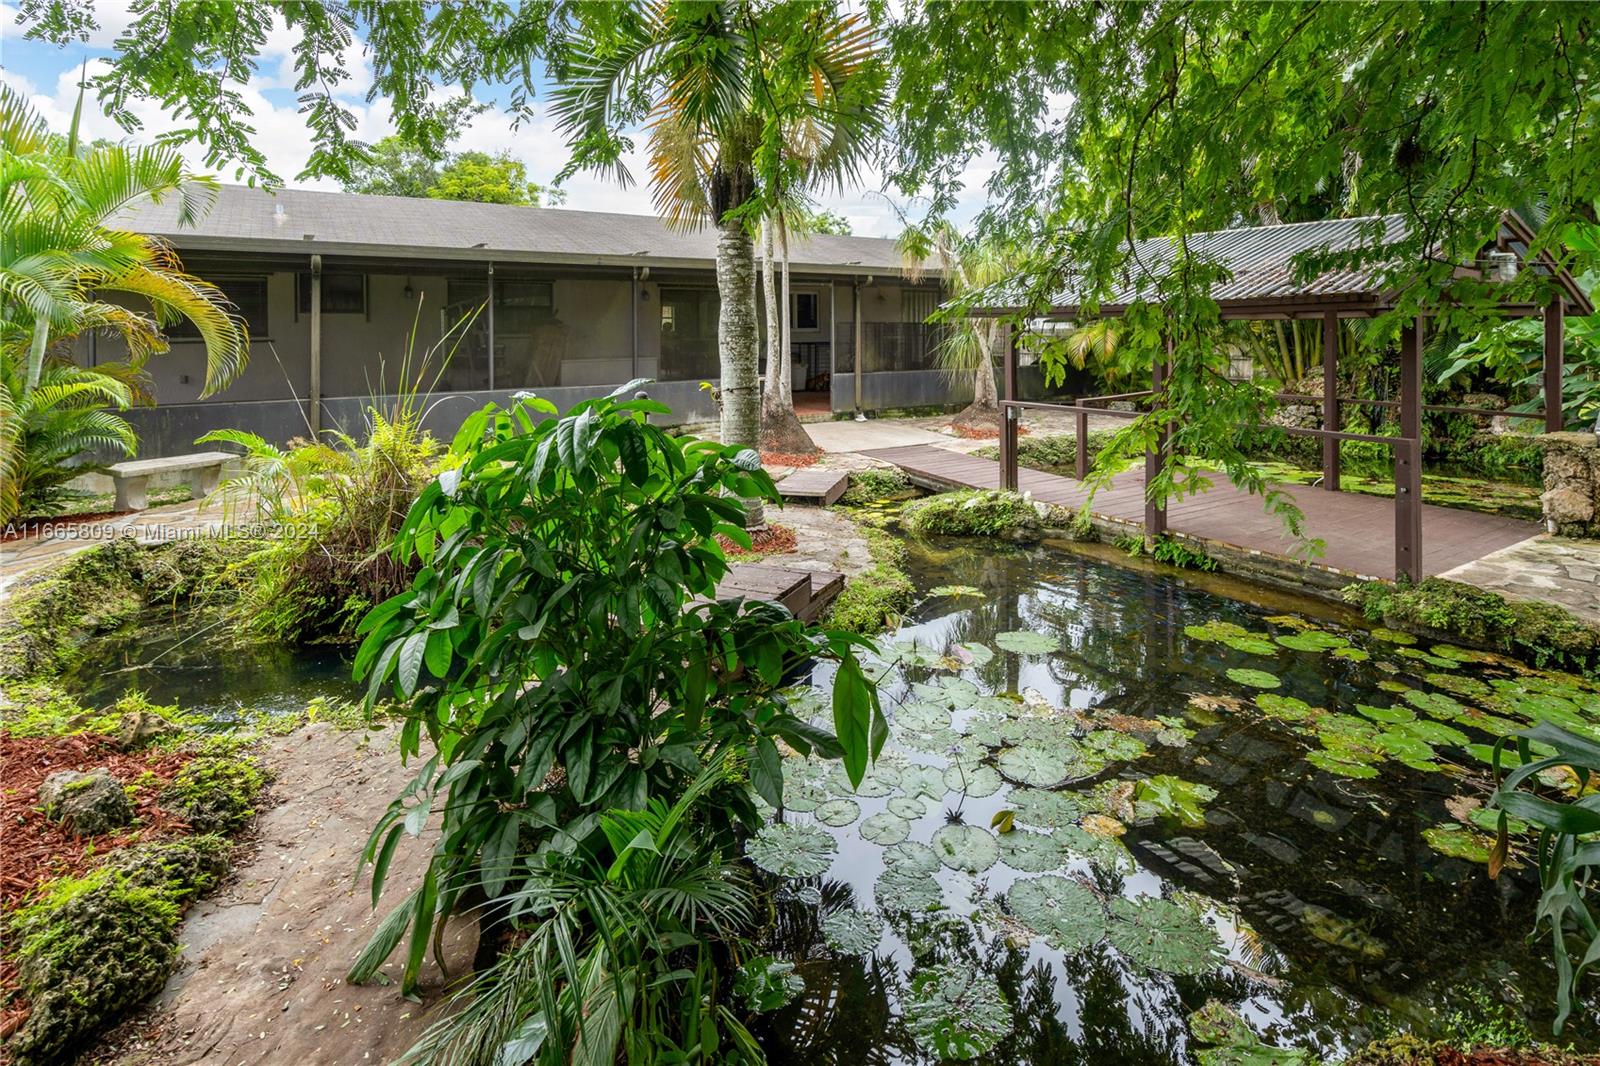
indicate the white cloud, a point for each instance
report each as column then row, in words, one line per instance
column 282, row 136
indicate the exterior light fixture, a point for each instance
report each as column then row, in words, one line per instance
column 1500, row 267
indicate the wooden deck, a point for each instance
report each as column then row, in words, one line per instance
column 821, row 487
column 806, row 593
column 1358, row 530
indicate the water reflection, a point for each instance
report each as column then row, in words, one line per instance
column 1339, row 921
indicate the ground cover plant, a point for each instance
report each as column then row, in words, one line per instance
column 561, row 652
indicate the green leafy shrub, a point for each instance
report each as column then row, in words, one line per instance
column 1169, row 550
column 345, row 503
column 562, row 647
column 974, row 513
column 878, row 483
column 216, row 793
column 873, row 600
column 88, row 948
column 1544, row 633
column 1055, row 453
column 622, row 964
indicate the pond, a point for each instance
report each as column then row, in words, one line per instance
column 1215, row 793
column 1294, row 855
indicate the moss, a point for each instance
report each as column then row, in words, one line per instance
column 43, row 709
column 1168, row 550
column 1055, row 453
column 51, row 615
column 879, row 483
column 1544, row 634
column 91, row 947
column 216, row 793
column 974, row 513
column 874, row 599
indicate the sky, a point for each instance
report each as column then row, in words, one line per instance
column 49, row 76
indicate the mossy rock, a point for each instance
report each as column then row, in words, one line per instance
column 975, row 513
column 873, row 600
column 86, row 804
column 89, row 948
column 215, row 793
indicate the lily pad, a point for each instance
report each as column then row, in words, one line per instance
column 1173, row 797
column 1336, row 764
column 966, row 847
column 1458, row 842
column 853, row 932
column 1284, row 708
column 885, row 829
column 791, row 850
column 1032, row 853
column 1434, row 704
column 766, row 984
column 912, row 855
column 1161, row 935
column 1027, row 642
column 1047, row 810
column 1217, row 630
column 838, row 812
column 1251, row 645
column 1235, row 1043
column 1253, row 678
column 955, row 590
column 1387, row 715
column 980, row 654
column 925, row 781
column 1312, row 640
column 956, row 1013
column 1115, row 746
column 975, row 781
column 1435, row 732
column 908, row 807
column 1393, row 636
column 1355, row 655
column 1063, row 912
column 1030, row 766
column 904, row 888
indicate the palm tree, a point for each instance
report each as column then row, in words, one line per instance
column 727, row 91
column 971, row 344
column 61, row 264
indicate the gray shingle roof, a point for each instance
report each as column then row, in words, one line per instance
column 305, row 221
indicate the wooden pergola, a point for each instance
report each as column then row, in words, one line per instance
column 1262, row 288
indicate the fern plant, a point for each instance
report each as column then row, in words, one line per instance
column 44, row 429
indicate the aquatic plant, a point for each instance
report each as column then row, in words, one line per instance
column 1568, row 851
column 956, row 1013
column 853, row 932
column 767, row 984
column 1027, row 642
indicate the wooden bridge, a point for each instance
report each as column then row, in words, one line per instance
column 1355, row 529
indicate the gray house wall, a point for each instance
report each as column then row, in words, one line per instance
column 589, row 325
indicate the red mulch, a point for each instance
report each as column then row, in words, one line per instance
column 23, row 528
column 971, row 432
column 37, row 849
column 771, row 539
column 789, row 458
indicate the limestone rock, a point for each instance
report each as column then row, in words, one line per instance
column 1571, row 496
column 85, row 804
column 1567, row 506
column 139, row 728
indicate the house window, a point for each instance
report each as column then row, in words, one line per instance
column 805, row 311
column 342, row 294
column 688, row 335
column 249, row 299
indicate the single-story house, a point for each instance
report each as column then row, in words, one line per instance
column 568, row 304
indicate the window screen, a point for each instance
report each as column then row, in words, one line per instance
column 249, row 299
column 917, row 304
column 342, row 294
column 805, row 310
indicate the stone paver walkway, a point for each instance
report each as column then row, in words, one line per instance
column 1541, row 568
column 193, row 518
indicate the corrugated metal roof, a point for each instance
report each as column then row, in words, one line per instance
column 306, row 221
column 1260, row 259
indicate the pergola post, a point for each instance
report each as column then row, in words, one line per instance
column 1330, row 400
column 1554, row 359
column 1408, row 458
column 1155, row 511
column 1008, row 414
column 316, row 348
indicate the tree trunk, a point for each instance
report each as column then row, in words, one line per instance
column 984, row 410
column 738, row 342
column 781, row 430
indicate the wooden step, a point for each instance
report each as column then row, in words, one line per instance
column 825, row 586
column 756, row 581
column 821, row 487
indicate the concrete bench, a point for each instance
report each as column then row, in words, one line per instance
column 132, row 479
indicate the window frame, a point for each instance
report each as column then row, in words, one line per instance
column 302, row 299
column 184, row 331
